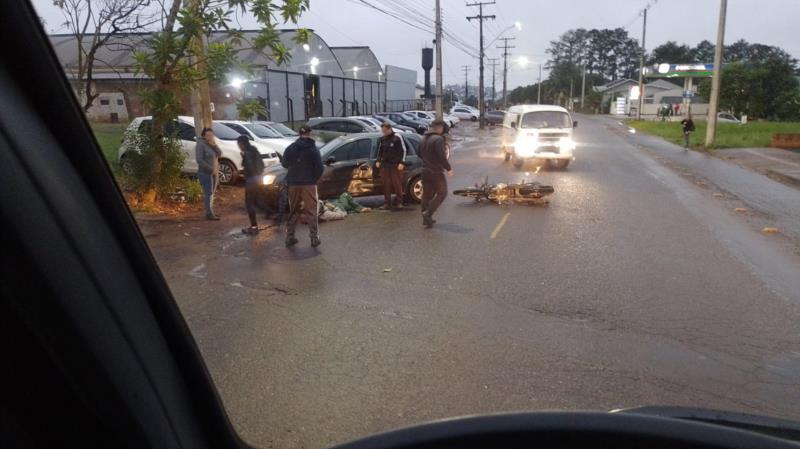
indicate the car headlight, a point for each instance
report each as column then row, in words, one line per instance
column 566, row 143
column 269, row 179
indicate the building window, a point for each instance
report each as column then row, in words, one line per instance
column 120, row 102
column 104, row 101
column 114, row 117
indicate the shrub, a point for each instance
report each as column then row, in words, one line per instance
column 152, row 165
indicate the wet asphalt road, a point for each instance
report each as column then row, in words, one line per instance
column 635, row 286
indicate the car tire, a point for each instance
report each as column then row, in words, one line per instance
column 558, row 164
column 414, row 189
column 473, row 119
column 506, row 155
column 126, row 164
column 228, row 173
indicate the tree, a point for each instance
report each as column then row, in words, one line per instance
column 703, row 52
column 671, row 52
column 96, row 23
column 247, row 108
column 178, row 66
column 609, row 53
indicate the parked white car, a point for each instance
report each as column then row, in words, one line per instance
column 374, row 123
column 230, row 163
column 538, row 132
column 727, row 117
column 259, row 133
column 280, row 128
column 430, row 116
column 465, row 112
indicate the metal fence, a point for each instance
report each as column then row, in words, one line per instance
column 294, row 97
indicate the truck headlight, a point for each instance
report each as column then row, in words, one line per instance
column 567, row 143
column 269, row 179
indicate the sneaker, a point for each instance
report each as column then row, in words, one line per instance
column 315, row 242
column 252, row 230
column 427, row 220
column 385, row 207
column 212, row 217
column 291, row 241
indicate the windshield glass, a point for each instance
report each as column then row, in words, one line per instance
column 545, row 119
column 282, row 129
column 261, row 131
column 223, row 132
column 616, row 250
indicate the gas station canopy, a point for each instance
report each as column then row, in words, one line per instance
column 693, row 70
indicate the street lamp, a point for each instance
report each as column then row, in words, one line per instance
column 237, row 82
column 314, row 63
column 355, row 72
column 517, row 25
column 522, row 61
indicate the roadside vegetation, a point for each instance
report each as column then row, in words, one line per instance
column 109, row 136
column 729, row 135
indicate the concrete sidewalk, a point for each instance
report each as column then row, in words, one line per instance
column 778, row 164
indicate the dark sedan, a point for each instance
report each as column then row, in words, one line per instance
column 350, row 167
column 495, row 117
column 399, row 117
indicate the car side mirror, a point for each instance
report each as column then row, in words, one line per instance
column 330, row 160
column 514, row 125
column 574, row 124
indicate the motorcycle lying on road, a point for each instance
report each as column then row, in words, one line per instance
column 503, row 193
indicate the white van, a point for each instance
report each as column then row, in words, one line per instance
column 230, row 163
column 538, row 132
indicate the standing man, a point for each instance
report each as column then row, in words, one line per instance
column 253, row 167
column 207, row 154
column 433, row 151
column 688, row 127
column 391, row 155
column 304, row 163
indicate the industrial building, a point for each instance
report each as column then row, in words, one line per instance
column 318, row 80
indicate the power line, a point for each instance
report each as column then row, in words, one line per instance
column 505, row 55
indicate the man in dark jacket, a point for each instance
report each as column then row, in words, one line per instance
column 433, row 151
column 304, row 163
column 688, row 127
column 253, row 167
column 391, row 155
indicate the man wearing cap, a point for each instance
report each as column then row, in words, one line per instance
column 433, row 151
column 304, row 165
column 391, row 155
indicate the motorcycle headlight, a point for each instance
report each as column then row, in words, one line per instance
column 269, row 179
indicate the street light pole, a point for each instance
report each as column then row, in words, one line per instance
column 713, row 103
column 505, row 48
column 641, row 67
column 439, row 99
column 539, row 86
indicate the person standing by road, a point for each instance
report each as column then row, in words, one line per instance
column 253, row 167
column 304, row 165
column 688, row 128
column 207, row 154
column 434, row 163
column 391, row 155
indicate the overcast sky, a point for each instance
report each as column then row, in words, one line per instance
column 345, row 22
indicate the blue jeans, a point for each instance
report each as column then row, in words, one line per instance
column 209, row 184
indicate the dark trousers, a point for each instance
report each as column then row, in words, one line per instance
column 392, row 178
column 434, row 191
column 251, row 188
column 209, row 184
column 303, row 201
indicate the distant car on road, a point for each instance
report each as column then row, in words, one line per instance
column 538, row 132
column 350, row 167
column 230, row 162
column 495, row 117
column 325, row 129
column 464, row 112
column 430, row 116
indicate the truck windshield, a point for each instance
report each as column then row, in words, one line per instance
column 545, row 119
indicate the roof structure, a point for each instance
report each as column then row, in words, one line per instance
column 359, row 63
column 116, row 56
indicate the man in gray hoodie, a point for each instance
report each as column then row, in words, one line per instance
column 207, row 154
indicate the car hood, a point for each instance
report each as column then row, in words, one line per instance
column 274, row 144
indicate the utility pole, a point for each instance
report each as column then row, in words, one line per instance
column 466, row 68
column 439, row 99
column 480, row 18
column 506, row 54
column 583, row 85
column 713, row 103
column 539, row 86
column 641, row 67
column 493, row 62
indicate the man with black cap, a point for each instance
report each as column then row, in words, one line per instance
column 433, row 151
column 390, row 158
column 304, row 164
